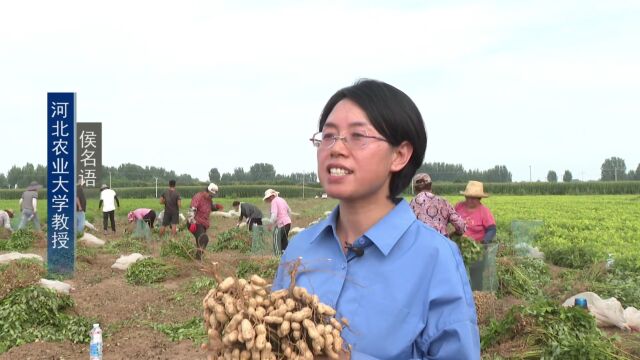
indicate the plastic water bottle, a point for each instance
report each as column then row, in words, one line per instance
column 581, row 303
column 95, row 347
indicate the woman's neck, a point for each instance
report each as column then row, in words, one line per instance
column 356, row 218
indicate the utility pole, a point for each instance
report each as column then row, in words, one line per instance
column 109, row 178
column 529, row 173
column 615, row 173
column 156, row 188
column 303, row 185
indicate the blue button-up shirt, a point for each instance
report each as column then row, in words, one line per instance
column 406, row 297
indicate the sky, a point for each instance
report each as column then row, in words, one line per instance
column 191, row 85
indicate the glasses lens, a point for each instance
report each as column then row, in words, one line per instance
column 358, row 139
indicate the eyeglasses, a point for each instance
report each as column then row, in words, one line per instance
column 354, row 140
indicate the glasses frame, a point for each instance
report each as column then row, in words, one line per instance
column 318, row 143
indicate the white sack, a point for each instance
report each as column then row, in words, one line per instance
column 91, row 240
column 221, row 214
column 124, row 262
column 632, row 316
column 58, row 286
column 608, row 312
column 5, row 258
column 89, row 225
column 295, row 230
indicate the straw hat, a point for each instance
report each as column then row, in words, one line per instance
column 34, row 186
column 103, row 186
column 474, row 189
column 269, row 193
column 212, row 188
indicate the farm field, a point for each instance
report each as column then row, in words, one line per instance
column 162, row 320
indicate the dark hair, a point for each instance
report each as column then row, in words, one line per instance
column 235, row 203
column 421, row 186
column 172, row 183
column 394, row 115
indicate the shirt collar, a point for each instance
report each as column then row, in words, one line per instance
column 384, row 234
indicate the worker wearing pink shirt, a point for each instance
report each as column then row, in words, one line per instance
column 281, row 217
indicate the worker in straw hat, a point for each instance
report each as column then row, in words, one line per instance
column 281, row 217
column 5, row 219
column 481, row 226
column 432, row 209
column 29, row 206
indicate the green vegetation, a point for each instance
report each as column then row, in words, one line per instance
column 471, row 250
column 19, row 274
column 183, row 246
column 201, row 284
column 20, row 240
column 35, row 313
column 237, row 239
column 149, row 271
column 265, row 267
column 126, row 245
column 551, row 332
column 523, row 277
column 190, row 330
column 578, row 231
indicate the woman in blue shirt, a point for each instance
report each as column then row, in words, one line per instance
column 401, row 285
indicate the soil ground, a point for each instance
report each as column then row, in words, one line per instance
column 126, row 312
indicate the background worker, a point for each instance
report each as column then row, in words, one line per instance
column 200, row 209
column 5, row 219
column 432, row 209
column 172, row 204
column 29, row 206
column 81, row 207
column 481, row 226
column 108, row 202
column 248, row 211
column 281, row 217
column 146, row 215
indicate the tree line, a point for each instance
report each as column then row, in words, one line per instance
column 132, row 175
column 612, row 169
column 440, row 171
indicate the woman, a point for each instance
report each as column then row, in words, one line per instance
column 5, row 219
column 281, row 217
column 146, row 215
column 404, row 297
column 433, row 210
column 481, row 226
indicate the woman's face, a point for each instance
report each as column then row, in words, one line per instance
column 472, row 202
column 350, row 172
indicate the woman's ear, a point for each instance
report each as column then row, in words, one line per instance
column 401, row 156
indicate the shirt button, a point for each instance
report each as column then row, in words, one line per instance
column 344, row 266
column 361, row 241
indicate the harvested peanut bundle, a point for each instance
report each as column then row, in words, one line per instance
column 245, row 320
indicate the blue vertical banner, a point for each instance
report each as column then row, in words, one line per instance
column 61, row 190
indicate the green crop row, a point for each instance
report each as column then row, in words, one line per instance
column 545, row 188
column 575, row 231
